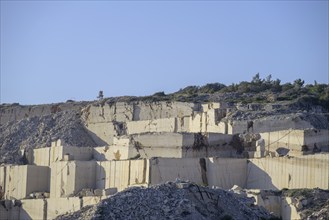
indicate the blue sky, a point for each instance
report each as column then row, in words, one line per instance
column 52, row 51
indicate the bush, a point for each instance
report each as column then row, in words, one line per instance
column 159, row 94
column 189, row 90
column 211, row 88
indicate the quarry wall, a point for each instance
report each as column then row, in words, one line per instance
column 268, row 124
column 309, row 171
column 20, row 181
column 121, row 174
column 104, row 122
column 292, row 139
column 109, row 120
column 70, row 178
column 146, row 145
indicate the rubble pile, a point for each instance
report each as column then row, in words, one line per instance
column 312, row 204
column 172, row 200
column 39, row 132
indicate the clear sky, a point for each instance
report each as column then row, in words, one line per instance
column 52, row 51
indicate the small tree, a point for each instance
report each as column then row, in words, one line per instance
column 298, row 83
column 256, row 79
column 100, row 95
column 268, row 79
column 276, row 87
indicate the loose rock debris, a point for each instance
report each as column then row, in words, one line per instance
column 39, row 132
column 173, row 200
column 312, row 204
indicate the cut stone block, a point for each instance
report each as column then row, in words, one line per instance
column 25, row 179
column 109, row 191
column 164, row 139
column 77, row 153
column 41, row 156
column 46, row 156
column 90, row 200
column 59, row 206
column 286, row 172
column 120, row 174
column 115, row 152
column 156, row 125
column 69, row 177
column 33, row 209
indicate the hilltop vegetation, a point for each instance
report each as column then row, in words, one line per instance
column 258, row 90
column 265, row 90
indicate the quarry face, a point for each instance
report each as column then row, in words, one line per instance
column 166, row 159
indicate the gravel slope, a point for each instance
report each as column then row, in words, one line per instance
column 39, row 132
